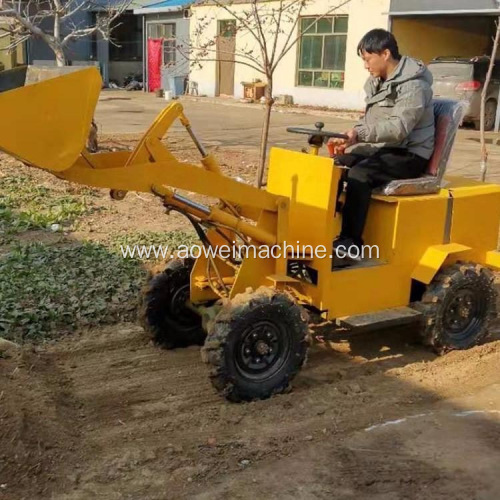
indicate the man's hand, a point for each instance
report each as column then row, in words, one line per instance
column 353, row 137
column 340, row 145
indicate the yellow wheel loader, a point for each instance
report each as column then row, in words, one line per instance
column 436, row 239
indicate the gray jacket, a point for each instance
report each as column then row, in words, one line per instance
column 399, row 111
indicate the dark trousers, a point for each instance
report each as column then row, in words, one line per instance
column 367, row 173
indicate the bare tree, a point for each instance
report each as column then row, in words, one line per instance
column 53, row 21
column 484, row 150
column 270, row 29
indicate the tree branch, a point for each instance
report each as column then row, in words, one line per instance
column 49, row 40
column 70, row 13
column 239, row 19
column 265, row 55
column 203, row 59
column 277, row 33
column 318, row 18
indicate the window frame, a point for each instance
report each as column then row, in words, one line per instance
column 226, row 28
column 116, row 52
column 173, row 38
column 323, row 43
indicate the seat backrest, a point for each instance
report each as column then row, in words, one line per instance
column 448, row 116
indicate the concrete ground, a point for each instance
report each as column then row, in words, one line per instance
column 240, row 125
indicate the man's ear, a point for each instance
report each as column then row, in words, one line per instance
column 386, row 54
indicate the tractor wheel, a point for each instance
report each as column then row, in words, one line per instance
column 165, row 313
column 458, row 307
column 256, row 345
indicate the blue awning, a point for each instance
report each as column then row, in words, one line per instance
column 165, row 6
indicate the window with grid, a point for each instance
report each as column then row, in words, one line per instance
column 227, row 28
column 167, row 32
column 322, row 52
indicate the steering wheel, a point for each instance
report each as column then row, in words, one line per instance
column 319, row 132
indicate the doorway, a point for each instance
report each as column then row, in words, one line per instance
column 226, row 44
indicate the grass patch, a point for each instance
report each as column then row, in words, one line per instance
column 48, row 291
column 25, row 205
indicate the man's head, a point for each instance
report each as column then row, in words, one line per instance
column 380, row 53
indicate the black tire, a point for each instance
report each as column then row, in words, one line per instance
column 457, row 307
column 164, row 314
column 256, row 345
column 490, row 114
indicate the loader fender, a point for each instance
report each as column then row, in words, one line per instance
column 432, row 260
column 493, row 259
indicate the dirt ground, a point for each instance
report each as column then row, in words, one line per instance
column 107, row 415
column 104, row 414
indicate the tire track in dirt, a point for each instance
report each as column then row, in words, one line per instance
column 159, row 430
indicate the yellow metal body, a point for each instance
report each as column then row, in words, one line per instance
column 415, row 235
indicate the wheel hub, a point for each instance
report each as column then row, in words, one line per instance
column 178, row 308
column 464, row 311
column 461, row 312
column 260, row 349
column 179, row 299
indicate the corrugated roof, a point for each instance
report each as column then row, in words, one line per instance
column 164, row 6
column 135, row 4
column 167, row 3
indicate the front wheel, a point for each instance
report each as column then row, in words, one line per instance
column 165, row 312
column 457, row 307
column 256, row 345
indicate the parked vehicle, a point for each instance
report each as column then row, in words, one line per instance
column 463, row 79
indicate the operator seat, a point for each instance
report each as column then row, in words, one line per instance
column 448, row 116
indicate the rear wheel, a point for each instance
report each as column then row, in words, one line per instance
column 165, row 312
column 490, row 114
column 256, row 345
column 458, row 307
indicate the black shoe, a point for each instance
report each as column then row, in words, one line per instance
column 345, row 247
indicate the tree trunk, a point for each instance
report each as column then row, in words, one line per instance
column 60, row 59
column 484, row 150
column 265, row 133
column 57, row 49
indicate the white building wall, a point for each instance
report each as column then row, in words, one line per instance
column 364, row 15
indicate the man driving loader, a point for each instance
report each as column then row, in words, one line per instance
column 395, row 138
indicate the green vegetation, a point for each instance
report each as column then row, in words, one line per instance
column 26, row 205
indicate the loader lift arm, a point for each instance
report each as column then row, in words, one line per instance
column 152, row 168
column 62, row 125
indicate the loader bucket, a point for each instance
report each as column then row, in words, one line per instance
column 46, row 123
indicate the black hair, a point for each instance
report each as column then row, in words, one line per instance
column 376, row 41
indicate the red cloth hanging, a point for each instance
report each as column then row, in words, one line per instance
column 155, row 48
